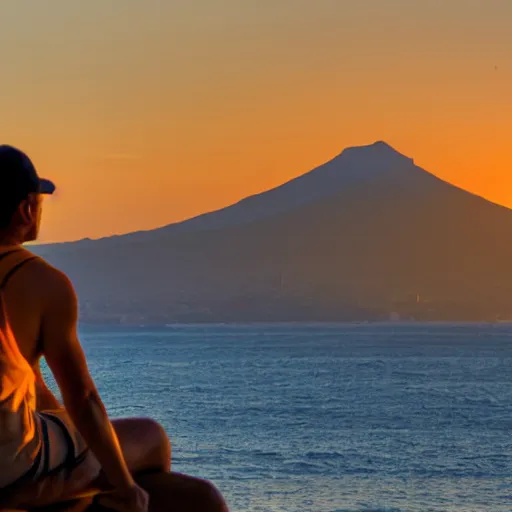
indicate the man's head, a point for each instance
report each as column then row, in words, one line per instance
column 21, row 192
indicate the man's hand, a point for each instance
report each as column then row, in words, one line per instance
column 134, row 499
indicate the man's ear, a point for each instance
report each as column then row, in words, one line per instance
column 25, row 211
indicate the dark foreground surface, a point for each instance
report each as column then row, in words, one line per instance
column 167, row 492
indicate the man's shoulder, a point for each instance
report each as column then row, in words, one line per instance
column 44, row 273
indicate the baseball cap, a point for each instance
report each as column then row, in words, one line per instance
column 18, row 176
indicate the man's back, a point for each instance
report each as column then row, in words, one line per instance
column 19, row 437
column 23, row 296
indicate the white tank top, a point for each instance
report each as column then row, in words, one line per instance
column 19, row 437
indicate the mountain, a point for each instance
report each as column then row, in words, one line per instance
column 352, row 165
column 365, row 235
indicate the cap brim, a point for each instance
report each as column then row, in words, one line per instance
column 46, row 187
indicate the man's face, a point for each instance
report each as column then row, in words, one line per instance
column 35, row 209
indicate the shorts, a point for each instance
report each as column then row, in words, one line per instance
column 64, row 467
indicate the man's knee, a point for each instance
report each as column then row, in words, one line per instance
column 158, row 440
column 155, row 431
column 210, row 497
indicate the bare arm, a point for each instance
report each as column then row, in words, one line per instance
column 66, row 360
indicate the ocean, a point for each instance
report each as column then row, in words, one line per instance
column 324, row 418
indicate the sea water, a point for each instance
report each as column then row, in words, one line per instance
column 324, row 418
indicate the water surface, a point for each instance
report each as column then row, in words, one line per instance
column 324, row 418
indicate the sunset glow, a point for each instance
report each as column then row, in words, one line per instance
column 145, row 113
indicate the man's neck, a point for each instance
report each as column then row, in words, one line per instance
column 8, row 240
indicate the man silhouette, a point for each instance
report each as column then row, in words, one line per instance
column 52, row 453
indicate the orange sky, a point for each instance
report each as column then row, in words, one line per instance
column 149, row 112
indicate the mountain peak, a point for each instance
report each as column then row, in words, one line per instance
column 381, row 145
column 378, row 152
column 378, row 146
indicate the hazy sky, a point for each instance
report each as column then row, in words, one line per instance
column 148, row 112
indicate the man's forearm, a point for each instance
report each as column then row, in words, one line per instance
column 91, row 419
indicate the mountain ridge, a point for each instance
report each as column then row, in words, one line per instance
column 250, row 208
